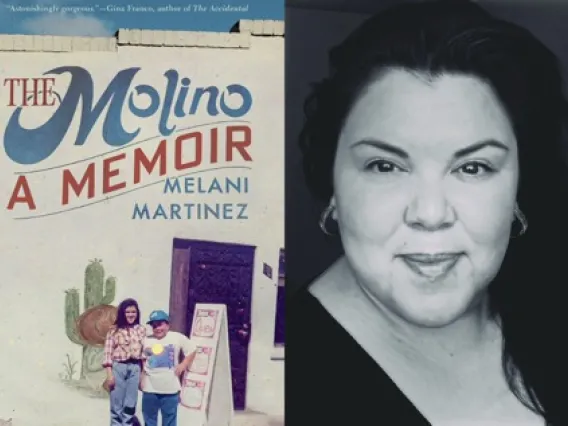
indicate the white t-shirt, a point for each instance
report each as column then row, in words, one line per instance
column 161, row 357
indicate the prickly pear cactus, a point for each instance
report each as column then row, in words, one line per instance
column 98, row 294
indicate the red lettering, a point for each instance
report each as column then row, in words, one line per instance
column 27, row 94
column 214, row 145
column 69, row 180
column 31, row 96
column 109, row 173
column 26, row 197
column 140, row 160
column 47, row 92
column 241, row 145
column 179, row 164
column 12, row 82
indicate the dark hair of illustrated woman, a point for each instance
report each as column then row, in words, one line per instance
column 445, row 37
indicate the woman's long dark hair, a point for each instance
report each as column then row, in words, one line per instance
column 121, row 321
column 438, row 37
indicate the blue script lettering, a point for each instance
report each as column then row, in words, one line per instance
column 31, row 146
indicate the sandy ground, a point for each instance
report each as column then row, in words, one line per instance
column 241, row 419
column 78, row 412
column 63, row 406
column 249, row 419
column 47, row 401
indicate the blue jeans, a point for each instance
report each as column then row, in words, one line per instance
column 124, row 395
column 166, row 404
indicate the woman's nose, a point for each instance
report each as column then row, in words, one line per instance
column 429, row 209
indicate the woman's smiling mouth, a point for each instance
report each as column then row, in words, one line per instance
column 431, row 266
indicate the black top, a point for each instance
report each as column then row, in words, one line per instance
column 331, row 380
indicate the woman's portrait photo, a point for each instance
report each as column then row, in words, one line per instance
column 434, row 147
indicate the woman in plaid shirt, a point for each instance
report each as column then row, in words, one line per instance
column 123, row 350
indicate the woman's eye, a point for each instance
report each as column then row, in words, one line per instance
column 475, row 168
column 382, row 166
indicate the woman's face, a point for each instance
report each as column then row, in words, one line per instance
column 425, row 182
column 131, row 314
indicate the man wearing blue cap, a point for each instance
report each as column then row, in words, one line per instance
column 160, row 381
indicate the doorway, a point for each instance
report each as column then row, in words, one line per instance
column 214, row 272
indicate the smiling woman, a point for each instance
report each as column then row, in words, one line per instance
column 438, row 128
column 433, row 246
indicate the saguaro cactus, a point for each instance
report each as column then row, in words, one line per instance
column 98, row 294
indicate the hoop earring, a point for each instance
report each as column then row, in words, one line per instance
column 520, row 216
column 324, row 218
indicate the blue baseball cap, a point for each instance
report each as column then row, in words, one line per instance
column 158, row 316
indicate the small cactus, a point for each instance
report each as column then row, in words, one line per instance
column 97, row 292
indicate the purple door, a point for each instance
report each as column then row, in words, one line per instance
column 217, row 273
column 279, row 329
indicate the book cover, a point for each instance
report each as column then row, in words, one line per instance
column 145, row 165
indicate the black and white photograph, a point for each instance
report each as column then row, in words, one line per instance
column 426, row 212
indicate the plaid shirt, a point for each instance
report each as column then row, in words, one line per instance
column 123, row 344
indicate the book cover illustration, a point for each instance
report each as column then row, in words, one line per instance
column 149, row 165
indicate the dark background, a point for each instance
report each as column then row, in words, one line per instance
column 312, row 27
